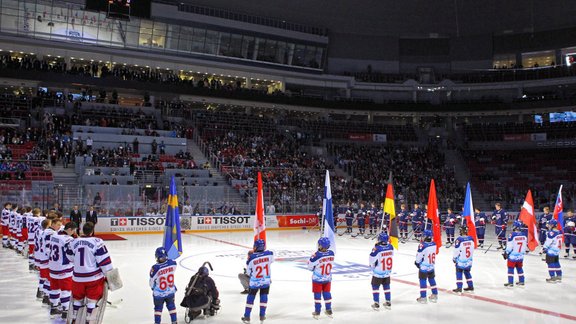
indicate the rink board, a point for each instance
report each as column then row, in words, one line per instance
column 203, row 223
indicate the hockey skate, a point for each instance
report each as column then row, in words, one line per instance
column 509, row 285
column 245, row 319
column 433, row 298
column 520, row 284
column 469, row 289
column 315, row 315
column 45, row 300
column 375, row 306
column 262, row 319
column 328, row 313
column 574, row 257
column 39, row 294
column 457, row 291
column 387, row 305
column 566, row 255
column 422, row 300
column 558, row 279
column 551, row 280
column 54, row 312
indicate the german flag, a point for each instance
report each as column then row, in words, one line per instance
column 390, row 210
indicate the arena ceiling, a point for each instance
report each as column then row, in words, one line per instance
column 413, row 18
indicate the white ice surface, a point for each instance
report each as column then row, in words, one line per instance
column 291, row 300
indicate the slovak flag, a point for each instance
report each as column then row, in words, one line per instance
column 527, row 217
column 558, row 208
column 259, row 222
column 328, row 214
column 468, row 215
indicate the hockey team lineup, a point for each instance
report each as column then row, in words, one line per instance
column 390, row 252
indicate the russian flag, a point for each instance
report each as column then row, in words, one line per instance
column 328, row 214
column 558, row 208
column 172, row 235
column 468, row 214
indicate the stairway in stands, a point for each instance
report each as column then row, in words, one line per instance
column 217, row 177
column 454, row 159
column 66, row 180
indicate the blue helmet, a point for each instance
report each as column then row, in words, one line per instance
column 161, row 253
column 517, row 224
column 427, row 233
column 553, row 222
column 383, row 237
column 324, row 243
column 259, row 245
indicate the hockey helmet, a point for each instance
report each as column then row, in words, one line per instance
column 161, row 253
column 427, row 233
column 552, row 222
column 324, row 243
column 203, row 271
column 517, row 224
column 383, row 238
column 259, row 245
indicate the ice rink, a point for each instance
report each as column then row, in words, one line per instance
column 291, row 300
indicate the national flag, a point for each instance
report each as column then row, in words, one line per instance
column 558, row 210
column 391, row 210
column 328, row 214
column 259, row 222
column 468, row 215
column 527, row 217
column 433, row 216
column 172, row 236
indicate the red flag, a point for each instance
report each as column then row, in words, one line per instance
column 259, row 224
column 433, row 216
column 527, row 217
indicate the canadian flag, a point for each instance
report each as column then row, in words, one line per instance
column 527, row 217
column 259, row 224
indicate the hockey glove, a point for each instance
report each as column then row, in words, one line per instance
column 454, row 260
column 417, row 264
column 505, row 256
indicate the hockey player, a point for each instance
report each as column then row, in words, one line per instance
column 425, row 262
column 32, row 223
column 381, row 260
column 463, row 257
column 403, row 215
column 162, row 284
column 417, row 222
column 361, row 219
column 91, row 262
column 18, row 223
column 500, row 219
column 570, row 233
column 258, row 268
column 552, row 247
column 480, row 223
column 42, row 262
column 515, row 250
column 49, row 234
column 373, row 219
column 542, row 224
column 5, row 221
column 12, row 225
column 449, row 225
column 349, row 216
column 53, row 226
column 60, row 269
column 320, row 263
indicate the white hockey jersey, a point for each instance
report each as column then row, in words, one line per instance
column 90, row 258
column 5, row 217
column 59, row 265
column 44, row 255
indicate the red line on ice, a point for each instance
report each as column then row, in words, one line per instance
column 472, row 296
column 500, row 302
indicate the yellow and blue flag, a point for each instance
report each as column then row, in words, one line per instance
column 172, row 236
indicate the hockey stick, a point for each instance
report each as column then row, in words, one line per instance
column 114, row 304
column 489, row 246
